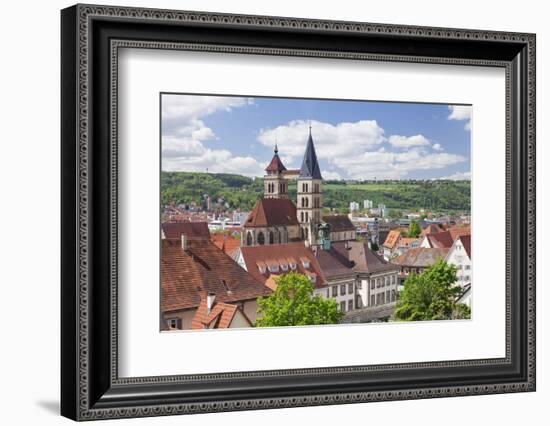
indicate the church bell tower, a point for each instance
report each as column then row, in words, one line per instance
column 275, row 185
column 310, row 194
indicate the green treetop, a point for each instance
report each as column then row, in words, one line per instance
column 293, row 303
column 414, row 229
column 432, row 295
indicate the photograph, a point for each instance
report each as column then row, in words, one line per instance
column 278, row 212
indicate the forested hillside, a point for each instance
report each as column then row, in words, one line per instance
column 242, row 192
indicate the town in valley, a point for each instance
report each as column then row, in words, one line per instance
column 289, row 249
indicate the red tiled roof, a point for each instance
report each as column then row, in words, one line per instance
column 187, row 274
column 220, row 315
column 270, row 254
column 191, row 229
column 392, row 238
column 272, row 212
column 276, row 165
column 466, row 241
column 339, row 222
column 420, row 257
column 432, row 228
column 225, row 242
column 440, row 240
column 351, row 257
column 458, row 231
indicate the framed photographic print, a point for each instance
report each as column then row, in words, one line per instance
column 263, row 212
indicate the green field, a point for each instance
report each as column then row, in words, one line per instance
column 241, row 192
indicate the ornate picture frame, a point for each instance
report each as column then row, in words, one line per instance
column 91, row 38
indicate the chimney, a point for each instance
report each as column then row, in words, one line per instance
column 184, row 241
column 210, row 301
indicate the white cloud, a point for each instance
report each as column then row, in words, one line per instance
column 342, row 139
column 437, row 147
column 329, row 175
column 396, row 165
column 398, row 141
column 458, row 176
column 460, row 113
column 184, row 134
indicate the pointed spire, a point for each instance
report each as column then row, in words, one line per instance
column 310, row 166
column 276, row 165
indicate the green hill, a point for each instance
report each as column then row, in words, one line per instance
column 242, row 192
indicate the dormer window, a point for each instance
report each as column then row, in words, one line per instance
column 273, row 268
column 305, row 262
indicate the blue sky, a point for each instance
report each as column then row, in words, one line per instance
column 353, row 139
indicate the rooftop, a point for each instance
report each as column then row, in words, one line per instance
column 272, row 212
column 202, row 268
column 310, row 165
column 339, row 222
column 421, row 257
column 174, row 230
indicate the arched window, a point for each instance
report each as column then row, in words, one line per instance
column 249, row 239
column 307, row 217
column 301, row 216
column 280, row 237
column 271, row 237
column 305, row 233
column 307, row 202
column 261, row 238
column 302, row 233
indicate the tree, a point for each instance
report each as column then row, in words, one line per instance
column 432, row 295
column 414, row 229
column 374, row 246
column 293, row 303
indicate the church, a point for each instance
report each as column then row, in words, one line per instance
column 275, row 218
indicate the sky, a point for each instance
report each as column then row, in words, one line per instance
column 353, row 139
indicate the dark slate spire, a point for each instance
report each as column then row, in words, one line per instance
column 310, row 166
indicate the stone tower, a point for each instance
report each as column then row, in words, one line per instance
column 309, row 201
column 275, row 185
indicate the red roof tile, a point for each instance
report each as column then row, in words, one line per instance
column 466, row 241
column 420, row 257
column 220, row 316
column 187, row 274
column 272, row 212
column 270, row 254
column 276, row 165
column 339, row 222
column 174, row 230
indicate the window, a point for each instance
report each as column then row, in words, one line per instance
column 386, row 280
column 350, row 305
column 343, row 306
column 372, row 300
column 271, row 237
column 372, row 284
column 307, row 216
column 173, row 324
column 274, row 268
column 467, row 267
column 382, row 299
column 387, row 296
column 377, row 282
column 359, row 303
column 249, row 238
column 301, row 216
column 393, row 295
column 261, row 238
column 467, row 278
column 334, row 291
column 350, row 288
column 342, row 289
column 393, row 279
column 360, row 285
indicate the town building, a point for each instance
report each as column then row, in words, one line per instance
column 367, row 204
column 341, row 227
column 275, row 219
column 353, row 206
column 265, row 263
column 460, row 256
column 211, row 314
column 356, row 277
column 416, row 260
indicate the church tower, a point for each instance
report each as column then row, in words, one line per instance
column 310, row 194
column 275, row 185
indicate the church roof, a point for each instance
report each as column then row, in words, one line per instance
column 276, row 164
column 272, row 212
column 310, row 165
